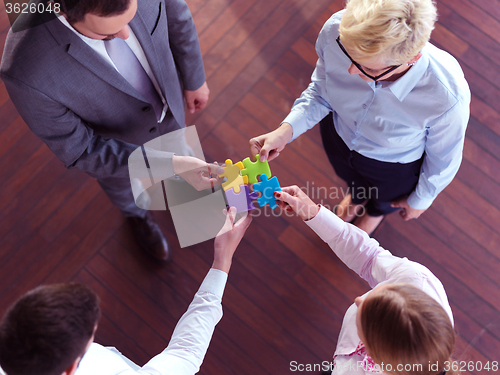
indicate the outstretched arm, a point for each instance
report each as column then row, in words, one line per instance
column 352, row 245
column 189, row 343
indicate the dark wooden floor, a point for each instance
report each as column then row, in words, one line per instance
column 287, row 292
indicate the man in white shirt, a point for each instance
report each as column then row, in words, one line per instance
column 50, row 330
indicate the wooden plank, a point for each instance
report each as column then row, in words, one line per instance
column 11, row 135
column 27, row 198
column 489, row 7
column 260, row 111
column 61, row 194
column 4, row 95
column 72, row 207
column 297, row 67
column 245, row 40
column 286, row 82
column 459, row 294
column 462, row 218
column 24, row 174
column 323, row 265
column 467, row 348
column 160, row 322
column 485, row 113
column 467, row 31
column 14, row 262
column 306, row 51
column 224, row 23
column 8, row 113
column 472, row 203
column 482, row 65
column 257, row 68
column 476, row 16
column 480, row 182
column 312, row 33
column 454, row 45
column 463, row 242
column 279, row 100
column 155, row 284
column 195, row 5
column 19, row 154
column 484, row 136
column 109, row 334
column 456, row 264
column 146, row 333
column 260, row 281
column 207, row 13
column 481, row 159
column 76, row 256
column 81, row 231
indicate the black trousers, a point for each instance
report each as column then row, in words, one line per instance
column 378, row 181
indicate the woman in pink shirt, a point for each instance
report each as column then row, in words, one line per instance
column 404, row 325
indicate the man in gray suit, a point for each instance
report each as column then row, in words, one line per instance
column 100, row 80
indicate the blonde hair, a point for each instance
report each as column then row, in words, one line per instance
column 402, row 325
column 395, row 30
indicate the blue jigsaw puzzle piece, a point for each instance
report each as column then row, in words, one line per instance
column 267, row 187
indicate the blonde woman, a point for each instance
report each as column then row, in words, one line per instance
column 393, row 109
column 404, row 325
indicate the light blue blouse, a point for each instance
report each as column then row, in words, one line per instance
column 424, row 111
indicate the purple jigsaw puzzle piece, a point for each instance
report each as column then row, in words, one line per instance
column 242, row 201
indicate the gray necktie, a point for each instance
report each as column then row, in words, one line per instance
column 131, row 69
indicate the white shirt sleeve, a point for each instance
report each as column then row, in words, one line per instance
column 188, row 345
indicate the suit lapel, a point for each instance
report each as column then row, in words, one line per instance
column 144, row 37
column 87, row 57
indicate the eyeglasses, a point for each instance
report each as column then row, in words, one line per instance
column 376, row 78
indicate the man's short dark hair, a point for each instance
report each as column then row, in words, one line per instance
column 76, row 10
column 47, row 329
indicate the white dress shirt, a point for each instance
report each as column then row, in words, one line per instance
column 426, row 110
column 377, row 266
column 98, row 46
column 188, row 345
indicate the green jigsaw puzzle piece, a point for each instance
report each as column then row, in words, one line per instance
column 254, row 169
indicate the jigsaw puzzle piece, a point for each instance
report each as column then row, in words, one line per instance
column 254, row 169
column 233, row 177
column 267, row 187
column 242, row 201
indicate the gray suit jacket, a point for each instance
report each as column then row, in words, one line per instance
column 80, row 106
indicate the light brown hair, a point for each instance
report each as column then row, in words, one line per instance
column 402, row 325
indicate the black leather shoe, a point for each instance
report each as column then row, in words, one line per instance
column 150, row 238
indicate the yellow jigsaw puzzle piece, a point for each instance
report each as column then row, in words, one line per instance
column 233, row 177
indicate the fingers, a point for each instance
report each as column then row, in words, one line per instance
column 255, row 147
column 292, row 190
column 272, row 155
column 288, row 199
column 214, row 168
column 230, row 216
column 396, row 204
column 244, row 223
column 201, row 103
column 190, row 104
